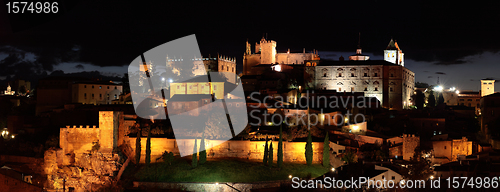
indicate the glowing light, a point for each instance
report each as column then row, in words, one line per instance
column 277, row 67
column 457, row 91
column 355, row 127
column 163, row 79
column 346, row 119
column 438, row 88
column 170, row 80
column 290, row 176
column 402, row 182
column 432, row 177
column 217, row 183
column 12, row 136
column 333, row 169
column 270, row 123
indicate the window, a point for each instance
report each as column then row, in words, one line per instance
column 340, row 74
column 177, row 86
column 223, row 67
column 352, row 89
column 116, row 96
column 392, row 75
column 237, row 104
column 352, row 74
column 108, row 87
column 376, row 75
column 376, row 88
column 365, row 75
column 444, row 147
column 340, row 89
column 84, row 86
column 324, row 75
column 85, row 95
column 100, row 96
column 92, row 95
column 393, row 178
column 391, row 88
column 92, row 86
column 100, row 87
column 115, row 87
column 366, row 88
column 215, row 86
column 233, row 69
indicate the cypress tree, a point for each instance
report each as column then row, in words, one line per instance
column 309, row 150
column 280, row 148
column 270, row 161
column 203, row 152
column 265, row 153
column 138, row 147
column 148, row 147
column 326, row 151
column 194, row 160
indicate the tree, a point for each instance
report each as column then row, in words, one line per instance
column 419, row 168
column 349, row 157
column 138, row 147
column 270, row 161
column 326, row 151
column 148, row 147
column 280, row 148
column 265, row 153
column 309, row 149
column 421, row 85
column 419, row 99
column 194, row 160
column 168, row 157
column 203, row 152
column 431, row 102
column 440, row 99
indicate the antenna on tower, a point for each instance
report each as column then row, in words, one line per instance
column 359, row 40
column 438, row 81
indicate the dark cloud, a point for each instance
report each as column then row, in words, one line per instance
column 440, row 73
column 429, row 77
column 455, row 62
column 113, row 34
column 79, row 66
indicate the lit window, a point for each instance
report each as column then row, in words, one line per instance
column 340, row 89
column 100, row 87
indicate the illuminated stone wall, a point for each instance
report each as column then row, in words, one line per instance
column 410, row 142
column 253, row 150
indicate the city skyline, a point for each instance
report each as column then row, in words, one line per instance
column 453, row 41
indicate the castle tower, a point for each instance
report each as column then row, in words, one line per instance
column 393, row 54
column 109, row 123
column 268, row 51
column 359, row 56
column 487, row 87
column 248, row 49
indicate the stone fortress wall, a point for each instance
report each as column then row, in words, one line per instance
column 110, row 135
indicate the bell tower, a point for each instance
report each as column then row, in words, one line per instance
column 487, row 87
column 393, row 54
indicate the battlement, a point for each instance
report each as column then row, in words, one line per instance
column 81, row 126
column 408, row 135
column 81, row 138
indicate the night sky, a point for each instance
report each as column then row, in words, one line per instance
column 455, row 41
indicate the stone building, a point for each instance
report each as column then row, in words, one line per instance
column 265, row 53
column 222, row 64
column 387, row 80
column 449, row 150
column 95, row 92
column 470, row 99
column 391, row 84
column 410, row 142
